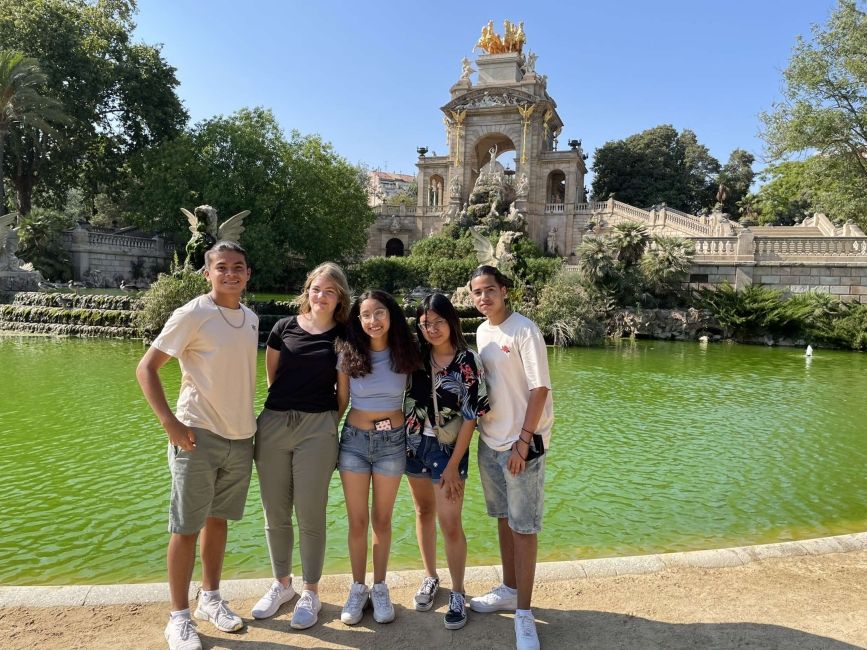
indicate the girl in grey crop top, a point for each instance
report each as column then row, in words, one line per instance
column 382, row 389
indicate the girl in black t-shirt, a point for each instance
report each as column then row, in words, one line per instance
column 296, row 442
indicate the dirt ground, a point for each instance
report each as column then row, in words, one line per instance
column 792, row 603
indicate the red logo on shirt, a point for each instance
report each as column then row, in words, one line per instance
column 505, row 349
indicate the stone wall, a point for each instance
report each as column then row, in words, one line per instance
column 107, row 258
column 847, row 282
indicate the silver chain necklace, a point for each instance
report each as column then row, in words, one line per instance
column 228, row 322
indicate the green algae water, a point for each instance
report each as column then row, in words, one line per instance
column 657, row 447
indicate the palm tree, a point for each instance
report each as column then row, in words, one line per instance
column 630, row 238
column 667, row 263
column 21, row 102
column 597, row 263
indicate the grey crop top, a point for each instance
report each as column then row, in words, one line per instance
column 381, row 390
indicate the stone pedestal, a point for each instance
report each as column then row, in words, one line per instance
column 498, row 69
column 20, row 280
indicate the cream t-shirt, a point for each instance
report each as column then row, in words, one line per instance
column 218, row 366
column 516, row 361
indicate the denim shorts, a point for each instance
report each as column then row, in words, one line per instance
column 430, row 458
column 368, row 451
column 520, row 499
column 212, row 480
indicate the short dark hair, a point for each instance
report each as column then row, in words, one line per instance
column 437, row 302
column 498, row 276
column 226, row 245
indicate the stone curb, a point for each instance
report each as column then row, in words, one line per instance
column 93, row 595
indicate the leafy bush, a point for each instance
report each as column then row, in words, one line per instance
column 169, row 292
column 566, row 314
column 40, row 243
column 391, row 274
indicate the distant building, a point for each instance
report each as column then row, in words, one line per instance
column 384, row 185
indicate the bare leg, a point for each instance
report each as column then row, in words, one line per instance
column 507, row 553
column 213, row 551
column 180, row 559
column 525, row 547
column 449, row 513
column 422, row 490
column 356, row 488
column 384, row 493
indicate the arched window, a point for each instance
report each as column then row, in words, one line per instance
column 556, row 187
column 394, row 248
column 435, row 190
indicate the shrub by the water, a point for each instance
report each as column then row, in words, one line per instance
column 566, row 314
column 170, row 291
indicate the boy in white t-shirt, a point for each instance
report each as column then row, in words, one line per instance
column 513, row 475
column 215, row 338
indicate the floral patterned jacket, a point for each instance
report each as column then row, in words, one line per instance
column 461, row 391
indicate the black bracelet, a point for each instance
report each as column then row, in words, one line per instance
column 526, row 442
column 515, row 449
column 532, row 433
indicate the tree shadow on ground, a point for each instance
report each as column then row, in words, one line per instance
column 557, row 629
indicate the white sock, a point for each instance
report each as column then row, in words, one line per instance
column 211, row 595
column 181, row 613
column 510, row 589
column 524, row 612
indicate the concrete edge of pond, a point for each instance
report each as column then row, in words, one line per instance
column 92, row 595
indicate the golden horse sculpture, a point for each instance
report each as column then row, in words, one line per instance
column 512, row 40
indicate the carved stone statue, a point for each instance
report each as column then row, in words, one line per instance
column 206, row 233
column 455, row 187
column 722, row 194
column 466, row 69
column 500, row 257
column 522, row 187
column 530, row 63
column 14, row 276
column 552, row 241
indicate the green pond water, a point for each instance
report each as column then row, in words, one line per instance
column 657, row 447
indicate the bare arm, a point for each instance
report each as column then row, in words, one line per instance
column 451, row 480
column 148, row 377
column 535, row 406
column 342, row 393
column 272, row 360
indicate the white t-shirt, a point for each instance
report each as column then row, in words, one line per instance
column 218, row 366
column 516, row 361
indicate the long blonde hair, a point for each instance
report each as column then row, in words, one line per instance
column 334, row 273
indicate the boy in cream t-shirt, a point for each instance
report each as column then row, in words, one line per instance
column 214, row 337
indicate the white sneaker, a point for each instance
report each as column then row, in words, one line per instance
column 498, row 599
column 268, row 604
column 181, row 634
column 306, row 610
column 383, row 610
column 525, row 632
column 218, row 612
column 353, row 610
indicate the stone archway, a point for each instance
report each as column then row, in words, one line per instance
column 555, row 188
column 481, row 152
column 394, row 248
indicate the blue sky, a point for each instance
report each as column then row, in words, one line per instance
column 370, row 76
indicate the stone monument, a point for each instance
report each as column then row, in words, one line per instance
column 14, row 276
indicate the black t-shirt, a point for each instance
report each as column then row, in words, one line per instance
column 307, row 372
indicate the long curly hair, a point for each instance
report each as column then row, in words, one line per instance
column 438, row 303
column 355, row 348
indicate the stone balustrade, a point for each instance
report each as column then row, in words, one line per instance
column 555, row 208
column 803, row 248
column 112, row 257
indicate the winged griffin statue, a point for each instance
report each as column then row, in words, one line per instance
column 500, row 256
column 206, row 233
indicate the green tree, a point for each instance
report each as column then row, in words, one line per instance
column 784, row 197
column 666, row 264
column 823, row 114
column 658, row 165
column 22, row 104
column 306, row 201
column 40, row 243
column 120, row 95
column 737, row 175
